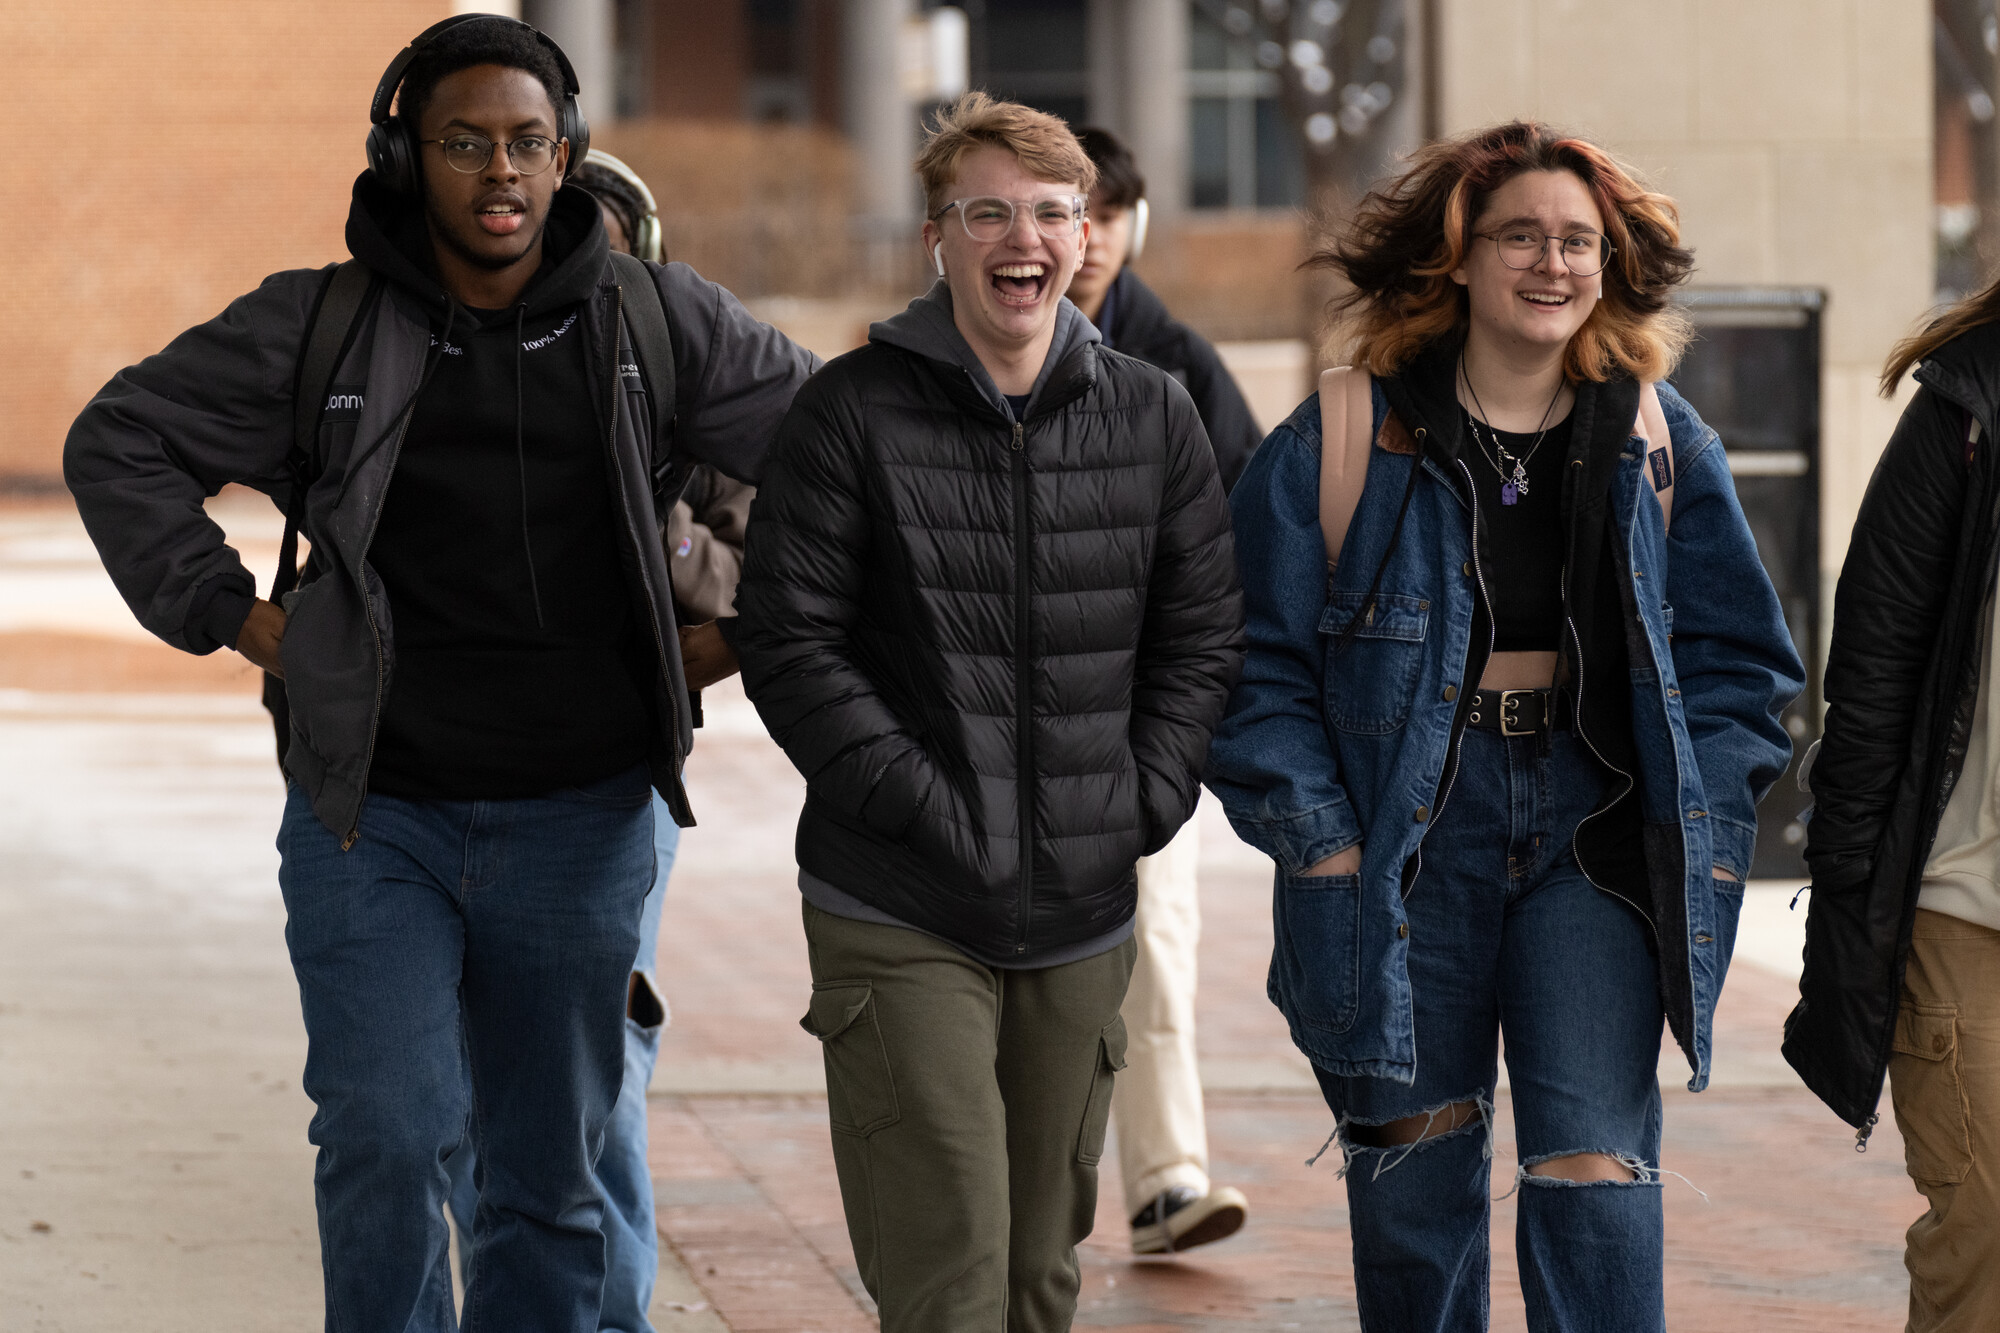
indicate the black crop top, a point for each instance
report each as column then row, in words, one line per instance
column 1524, row 556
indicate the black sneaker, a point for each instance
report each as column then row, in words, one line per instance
column 1183, row 1217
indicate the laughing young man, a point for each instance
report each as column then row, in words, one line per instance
column 989, row 609
column 481, row 662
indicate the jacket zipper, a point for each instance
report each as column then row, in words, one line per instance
column 375, row 632
column 1458, row 734
column 1576, row 641
column 651, row 597
column 1024, row 743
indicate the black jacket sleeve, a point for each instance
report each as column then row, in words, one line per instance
column 1887, row 612
column 806, row 553
column 734, row 376
column 214, row 407
column 1224, row 412
column 1191, row 649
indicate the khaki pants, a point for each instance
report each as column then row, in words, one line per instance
column 968, row 1106
column 1162, row 1135
column 1944, row 1075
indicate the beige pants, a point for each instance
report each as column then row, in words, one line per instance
column 1162, row 1135
column 1944, row 1073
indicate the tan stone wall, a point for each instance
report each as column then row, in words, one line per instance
column 1795, row 134
column 167, row 155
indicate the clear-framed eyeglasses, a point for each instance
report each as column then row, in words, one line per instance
column 988, row 219
column 1584, row 253
column 531, row 154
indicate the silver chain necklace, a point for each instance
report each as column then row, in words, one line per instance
column 1514, row 488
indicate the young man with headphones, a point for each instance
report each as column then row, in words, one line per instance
column 1157, row 1106
column 485, row 676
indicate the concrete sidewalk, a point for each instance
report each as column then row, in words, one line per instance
column 153, row 1165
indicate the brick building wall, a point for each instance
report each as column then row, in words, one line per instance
column 167, row 155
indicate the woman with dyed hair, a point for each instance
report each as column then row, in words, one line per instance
column 1502, row 733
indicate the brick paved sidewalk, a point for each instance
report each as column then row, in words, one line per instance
column 1797, row 1232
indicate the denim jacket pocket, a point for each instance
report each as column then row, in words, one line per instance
column 1369, row 686
column 1318, row 955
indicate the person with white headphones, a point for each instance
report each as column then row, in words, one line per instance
column 1162, row 1132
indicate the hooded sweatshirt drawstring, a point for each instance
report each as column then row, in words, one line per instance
column 521, row 465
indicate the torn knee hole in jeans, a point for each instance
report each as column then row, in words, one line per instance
column 1391, row 1141
column 1636, row 1172
column 644, row 1005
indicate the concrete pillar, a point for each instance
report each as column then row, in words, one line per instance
column 1104, row 39
column 584, row 29
column 878, row 116
column 1156, row 105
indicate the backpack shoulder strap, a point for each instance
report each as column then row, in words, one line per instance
column 329, row 333
column 652, row 342
column 1346, row 427
column 1650, row 425
column 328, row 336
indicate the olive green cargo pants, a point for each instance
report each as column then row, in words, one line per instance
column 968, row 1105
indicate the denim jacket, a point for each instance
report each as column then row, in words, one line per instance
column 1312, row 758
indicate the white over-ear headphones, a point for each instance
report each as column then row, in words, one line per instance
column 648, row 244
column 1140, row 215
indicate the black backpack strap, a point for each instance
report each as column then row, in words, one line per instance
column 328, row 337
column 646, row 322
column 329, row 334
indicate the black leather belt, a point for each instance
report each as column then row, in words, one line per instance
column 1522, row 712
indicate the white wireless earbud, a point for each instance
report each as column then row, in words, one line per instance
column 1141, row 215
column 937, row 257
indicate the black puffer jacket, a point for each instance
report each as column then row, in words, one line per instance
column 942, row 720
column 1902, row 680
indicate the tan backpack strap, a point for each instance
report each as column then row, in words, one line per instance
column 1346, row 428
column 1658, row 472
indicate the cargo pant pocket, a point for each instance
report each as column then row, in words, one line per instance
column 1928, row 1092
column 1097, row 1111
column 860, row 1087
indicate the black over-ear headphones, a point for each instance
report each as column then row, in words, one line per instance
column 392, row 144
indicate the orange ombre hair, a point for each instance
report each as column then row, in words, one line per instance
column 1406, row 238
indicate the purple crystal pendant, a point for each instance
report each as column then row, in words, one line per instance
column 1510, row 494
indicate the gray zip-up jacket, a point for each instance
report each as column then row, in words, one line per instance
column 216, row 407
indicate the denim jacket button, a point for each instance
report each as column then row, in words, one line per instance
column 1403, row 930
column 1450, row 693
column 1467, row 568
column 1423, row 813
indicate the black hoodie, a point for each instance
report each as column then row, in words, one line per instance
column 519, row 668
column 1134, row 321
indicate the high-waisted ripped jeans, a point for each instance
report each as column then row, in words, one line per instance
column 1507, row 936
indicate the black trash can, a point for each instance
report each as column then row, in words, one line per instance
column 1754, row 375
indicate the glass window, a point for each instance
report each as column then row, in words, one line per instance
column 1242, row 150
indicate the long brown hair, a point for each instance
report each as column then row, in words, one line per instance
column 1409, row 235
column 1969, row 313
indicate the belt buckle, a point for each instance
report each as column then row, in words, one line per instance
column 1510, row 709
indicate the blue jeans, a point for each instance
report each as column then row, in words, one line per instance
column 631, row 1245
column 1506, row 935
column 465, row 963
